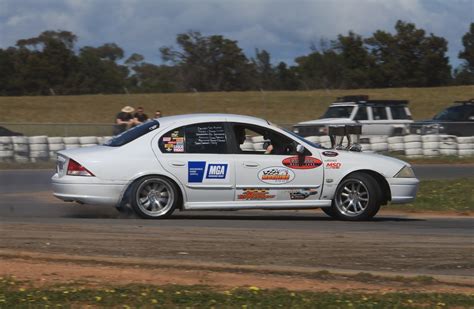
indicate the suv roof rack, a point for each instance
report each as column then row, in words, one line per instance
column 471, row 101
column 364, row 99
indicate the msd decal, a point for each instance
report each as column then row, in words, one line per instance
column 216, row 171
column 301, row 163
column 333, row 165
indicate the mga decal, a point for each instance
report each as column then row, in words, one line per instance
column 302, row 163
column 334, row 165
column 276, row 175
column 330, row 154
column 302, row 194
column 255, row 194
column 196, row 171
column 216, row 171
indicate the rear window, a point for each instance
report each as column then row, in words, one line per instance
column 133, row 133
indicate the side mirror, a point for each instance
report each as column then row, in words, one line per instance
column 300, row 149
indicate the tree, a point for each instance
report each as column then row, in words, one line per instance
column 265, row 74
column 464, row 75
column 211, row 63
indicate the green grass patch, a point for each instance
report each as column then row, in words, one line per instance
column 22, row 295
column 283, row 107
column 443, row 195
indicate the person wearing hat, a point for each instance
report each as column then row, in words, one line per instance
column 124, row 120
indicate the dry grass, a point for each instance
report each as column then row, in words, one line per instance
column 278, row 106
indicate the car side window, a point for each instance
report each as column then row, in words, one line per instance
column 399, row 113
column 251, row 139
column 361, row 114
column 196, row 138
column 379, row 112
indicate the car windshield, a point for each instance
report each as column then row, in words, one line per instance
column 455, row 113
column 133, row 133
column 338, row 112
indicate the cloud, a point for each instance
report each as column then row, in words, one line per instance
column 285, row 28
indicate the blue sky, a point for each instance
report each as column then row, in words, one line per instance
column 284, row 28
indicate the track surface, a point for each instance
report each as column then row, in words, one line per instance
column 32, row 220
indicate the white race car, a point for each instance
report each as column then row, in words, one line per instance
column 229, row 162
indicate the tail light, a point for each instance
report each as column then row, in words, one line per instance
column 75, row 169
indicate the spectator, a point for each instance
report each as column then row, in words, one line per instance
column 124, row 120
column 158, row 114
column 139, row 117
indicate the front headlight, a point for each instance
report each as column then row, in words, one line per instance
column 405, row 172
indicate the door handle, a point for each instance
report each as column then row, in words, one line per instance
column 177, row 163
column 251, row 164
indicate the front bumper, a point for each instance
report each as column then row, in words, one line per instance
column 403, row 189
column 87, row 190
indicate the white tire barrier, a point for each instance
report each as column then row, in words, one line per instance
column 21, row 158
column 38, row 147
column 465, row 146
column 4, row 147
column 396, row 147
column 430, row 138
column 19, row 140
column 413, row 145
column 56, row 147
column 448, row 138
column 465, row 139
column 414, row 152
column 71, row 146
column 6, row 154
column 379, row 147
column 71, row 140
column 20, row 148
column 313, row 139
column 55, row 140
column 5, row 140
column 448, row 152
column 325, row 139
column 448, row 145
column 87, row 140
column 395, row 139
column 430, row 145
column 366, row 147
column 466, row 152
column 39, row 154
column 378, row 139
column 38, row 139
column 412, row 138
column 431, row 152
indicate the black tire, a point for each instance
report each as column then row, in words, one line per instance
column 329, row 211
column 358, row 197
column 148, row 195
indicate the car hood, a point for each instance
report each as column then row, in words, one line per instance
column 324, row 121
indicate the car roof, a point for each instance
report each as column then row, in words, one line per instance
column 211, row 117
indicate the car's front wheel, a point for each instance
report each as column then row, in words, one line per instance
column 154, row 197
column 358, row 197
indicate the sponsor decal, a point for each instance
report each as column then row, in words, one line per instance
column 302, row 163
column 173, row 143
column 166, row 139
column 216, row 171
column 276, row 175
column 255, row 194
column 333, row 165
column 302, row 194
column 178, row 147
column 330, row 154
column 196, row 171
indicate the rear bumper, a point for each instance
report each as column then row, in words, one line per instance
column 403, row 189
column 87, row 190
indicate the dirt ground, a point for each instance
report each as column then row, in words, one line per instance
column 49, row 253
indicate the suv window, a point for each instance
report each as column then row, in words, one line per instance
column 195, row 138
column 399, row 112
column 361, row 113
column 338, row 112
column 251, row 139
column 379, row 112
column 455, row 113
column 133, row 133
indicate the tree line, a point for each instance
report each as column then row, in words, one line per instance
column 52, row 64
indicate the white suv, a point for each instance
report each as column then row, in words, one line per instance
column 377, row 117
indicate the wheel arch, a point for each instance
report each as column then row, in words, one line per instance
column 126, row 193
column 387, row 194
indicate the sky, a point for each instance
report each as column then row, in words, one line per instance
column 285, row 28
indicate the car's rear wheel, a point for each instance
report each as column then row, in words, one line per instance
column 154, row 197
column 358, row 197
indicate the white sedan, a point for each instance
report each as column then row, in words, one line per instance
column 229, row 162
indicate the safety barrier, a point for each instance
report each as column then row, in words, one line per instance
column 43, row 148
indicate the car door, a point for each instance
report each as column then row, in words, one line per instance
column 277, row 177
column 197, row 155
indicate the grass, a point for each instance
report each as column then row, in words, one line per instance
column 19, row 294
column 283, row 107
column 443, row 195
